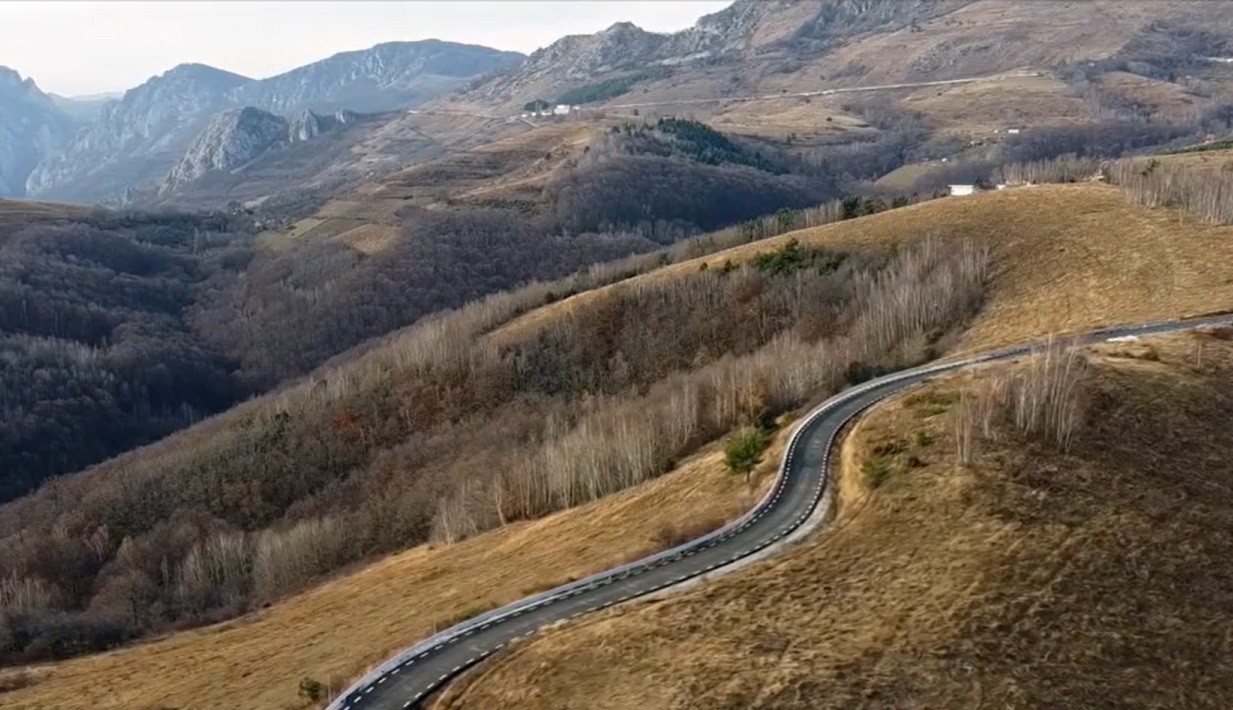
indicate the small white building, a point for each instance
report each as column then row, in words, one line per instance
column 961, row 190
column 561, row 109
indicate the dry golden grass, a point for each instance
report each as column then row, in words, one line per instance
column 984, row 107
column 370, row 238
column 814, row 121
column 1095, row 579
column 1209, row 160
column 1067, row 257
column 53, row 209
column 17, row 213
column 1163, row 98
column 906, row 176
column 989, row 36
column 369, row 218
column 336, row 631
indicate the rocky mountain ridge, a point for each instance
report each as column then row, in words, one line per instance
column 236, row 137
column 137, row 137
column 385, row 77
column 140, row 137
column 746, row 30
column 31, row 127
column 84, row 110
column 753, row 49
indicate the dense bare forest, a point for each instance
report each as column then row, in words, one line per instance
column 298, row 307
column 1207, row 194
column 97, row 355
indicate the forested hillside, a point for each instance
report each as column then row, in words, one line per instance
column 97, row 353
column 442, row 432
column 631, row 188
column 119, row 328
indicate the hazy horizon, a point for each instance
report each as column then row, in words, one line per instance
column 127, row 43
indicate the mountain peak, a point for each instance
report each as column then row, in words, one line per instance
column 12, row 79
column 14, row 88
column 619, row 28
column 400, row 43
column 201, row 73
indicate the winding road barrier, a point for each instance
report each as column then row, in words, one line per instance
column 410, row 676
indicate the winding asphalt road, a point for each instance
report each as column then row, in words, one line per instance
column 406, row 679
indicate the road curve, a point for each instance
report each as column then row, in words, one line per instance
column 410, row 676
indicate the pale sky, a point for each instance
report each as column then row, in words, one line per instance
column 78, row 48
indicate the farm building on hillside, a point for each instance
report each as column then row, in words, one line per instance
column 961, row 190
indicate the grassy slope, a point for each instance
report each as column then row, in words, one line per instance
column 21, row 212
column 1068, row 257
column 985, row 107
column 1098, row 578
column 369, row 218
column 337, row 631
column 1203, row 160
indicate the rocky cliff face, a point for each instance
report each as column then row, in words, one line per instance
column 31, row 127
column 138, row 139
column 741, row 27
column 789, row 26
column 621, row 46
column 625, row 48
column 230, row 140
column 307, row 124
column 235, row 138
